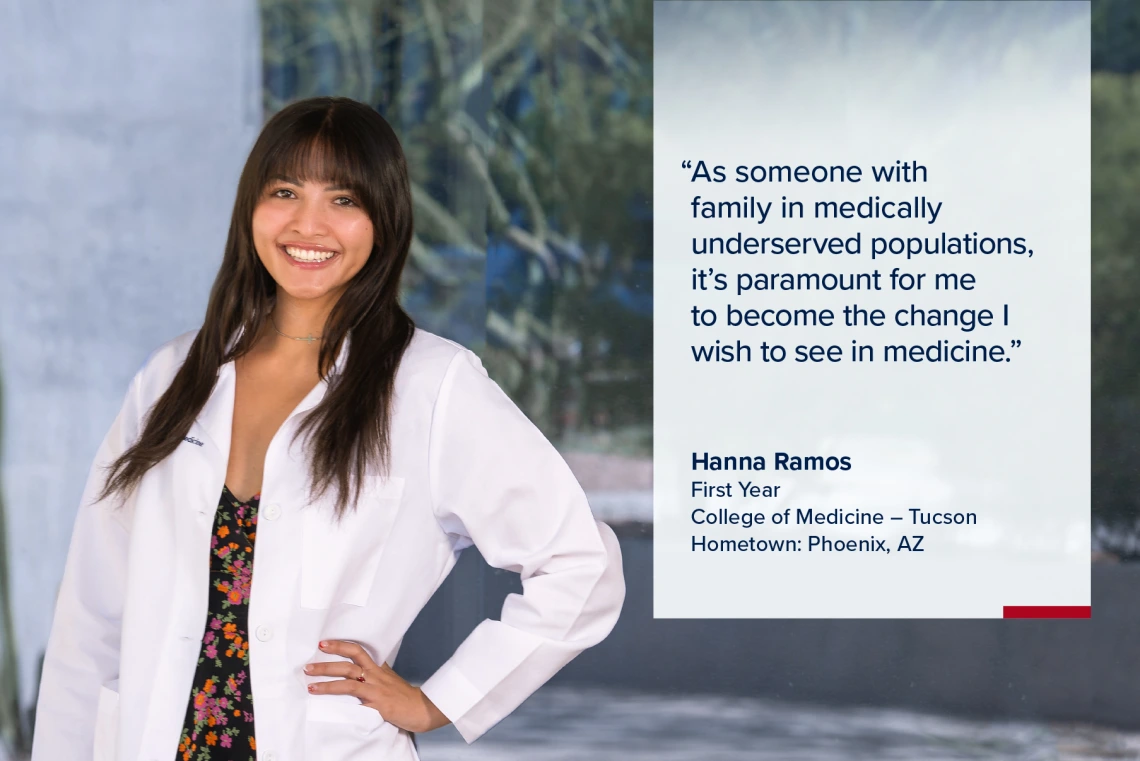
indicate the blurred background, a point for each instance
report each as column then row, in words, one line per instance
column 528, row 125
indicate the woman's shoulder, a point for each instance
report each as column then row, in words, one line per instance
column 430, row 364
column 433, row 353
column 172, row 352
column 162, row 363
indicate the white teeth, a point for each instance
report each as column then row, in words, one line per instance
column 305, row 255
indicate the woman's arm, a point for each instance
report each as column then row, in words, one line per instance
column 83, row 647
column 498, row 483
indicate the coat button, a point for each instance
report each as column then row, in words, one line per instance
column 264, row 633
column 272, row 511
column 270, row 756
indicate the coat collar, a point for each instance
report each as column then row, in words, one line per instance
column 216, row 416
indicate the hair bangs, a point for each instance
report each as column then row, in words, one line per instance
column 321, row 151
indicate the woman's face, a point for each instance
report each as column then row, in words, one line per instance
column 312, row 237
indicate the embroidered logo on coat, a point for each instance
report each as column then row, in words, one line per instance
column 192, row 440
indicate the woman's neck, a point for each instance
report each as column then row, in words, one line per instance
column 295, row 329
column 301, row 318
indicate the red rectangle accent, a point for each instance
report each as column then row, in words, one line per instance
column 1047, row 611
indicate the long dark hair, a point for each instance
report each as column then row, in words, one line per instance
column 328, row 140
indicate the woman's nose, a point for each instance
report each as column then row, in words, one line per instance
column 310, row 219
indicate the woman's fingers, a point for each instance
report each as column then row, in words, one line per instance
column 339, row 687
column 345, row 669
column 348, row 649
column 361, row 664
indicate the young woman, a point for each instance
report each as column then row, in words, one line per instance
column 285, row 488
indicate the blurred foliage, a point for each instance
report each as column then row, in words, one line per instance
column 1116, row 35
column 1116, row 274
column 1115, row 233
column 1116, row 289
column 528, row 128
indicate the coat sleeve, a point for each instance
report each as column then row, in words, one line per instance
column 82, row 652
column 499, row 484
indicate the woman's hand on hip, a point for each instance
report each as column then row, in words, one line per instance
column 398, row 702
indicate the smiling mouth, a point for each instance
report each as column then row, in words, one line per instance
column 308, row 255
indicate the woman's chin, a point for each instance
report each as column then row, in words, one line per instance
column 304, row 291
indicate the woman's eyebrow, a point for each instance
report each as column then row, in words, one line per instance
column 293, row 181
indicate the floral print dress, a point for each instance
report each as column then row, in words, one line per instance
column 219, row 717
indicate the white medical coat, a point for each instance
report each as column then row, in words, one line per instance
column 467, row 468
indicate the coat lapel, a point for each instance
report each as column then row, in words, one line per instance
column 215, row 419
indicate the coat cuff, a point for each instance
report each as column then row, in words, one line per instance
column 454, row 695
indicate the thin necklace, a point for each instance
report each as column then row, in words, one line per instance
column 308, row 339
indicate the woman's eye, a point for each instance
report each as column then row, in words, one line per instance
column 287, row 193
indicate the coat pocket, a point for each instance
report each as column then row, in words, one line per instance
column 107, row 723
column 339, row 559
column 339, row 730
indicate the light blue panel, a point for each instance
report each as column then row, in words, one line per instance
column 123, row 128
